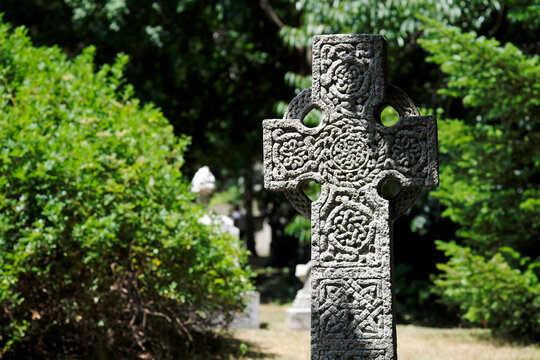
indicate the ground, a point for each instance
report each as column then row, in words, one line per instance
column 275, row 341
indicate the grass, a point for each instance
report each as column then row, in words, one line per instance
column 275, row 341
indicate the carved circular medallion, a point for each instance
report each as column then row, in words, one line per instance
column 349, row 154
column 348, row 76
column 351, row 229
column 344, row 80
column 293, row 153
column 349, row 151
column 409, row 150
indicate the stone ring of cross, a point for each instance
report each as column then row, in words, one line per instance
column 403, row 198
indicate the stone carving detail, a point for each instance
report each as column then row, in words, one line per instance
column 347, row 237
column 353, row 156
column 345, row 72
column 351, row 309
column 291, row 150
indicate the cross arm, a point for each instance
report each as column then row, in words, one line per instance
column 412, row 150
column 289, row 158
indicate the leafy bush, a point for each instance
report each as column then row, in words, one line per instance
column 489, row 179
column 489, row 176
column 491, row 292
column 101, row 252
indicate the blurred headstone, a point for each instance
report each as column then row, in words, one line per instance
column 222, row 222
column 263, row 239
column 298, row 316
column 369, row 175
column 203, row 184
column 249, row 318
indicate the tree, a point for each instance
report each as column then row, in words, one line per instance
column 101, row 249
column 491, row 179
column 211, row 66
column 207, row 64
column 394, row 20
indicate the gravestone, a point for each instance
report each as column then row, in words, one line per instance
column 203, row 184
column 249, row 317
column 298, row 316
column 369, row 175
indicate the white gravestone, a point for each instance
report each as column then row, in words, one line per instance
column 298, row 316
column 203, row 184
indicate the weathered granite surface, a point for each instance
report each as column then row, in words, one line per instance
column 352, row 155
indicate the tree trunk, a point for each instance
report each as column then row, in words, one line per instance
column 248, row 204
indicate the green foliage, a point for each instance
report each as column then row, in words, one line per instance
column 209, row 65
column 414, row 295
column 492, row 159
column 480, row 70
column 277, row 285
column 526, row 11
column 492, row 293
column 299, row 227
column 203, row 73
column 101, row 251
column 393, row 19
column 231, row 195
column 389, row 116
column 489, row 180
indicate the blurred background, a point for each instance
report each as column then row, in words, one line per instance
column 466, row 253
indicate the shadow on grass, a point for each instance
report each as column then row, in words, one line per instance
column 224, row 347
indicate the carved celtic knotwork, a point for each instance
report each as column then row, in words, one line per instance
column 345, row 77
column 400, row 101
column 340, row 354
column 348, row 151
column 348, row 236
column 298, row 108
column 351, row 309
column 346, row 72
column 353, row 156
column 291, row 153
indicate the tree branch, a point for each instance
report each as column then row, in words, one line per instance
column 269, row 11
column 10, row 93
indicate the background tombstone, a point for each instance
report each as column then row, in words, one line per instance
column 369, row 175
column 298, row 316
column 203, row 184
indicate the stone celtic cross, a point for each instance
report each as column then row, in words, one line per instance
column 354, row 158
